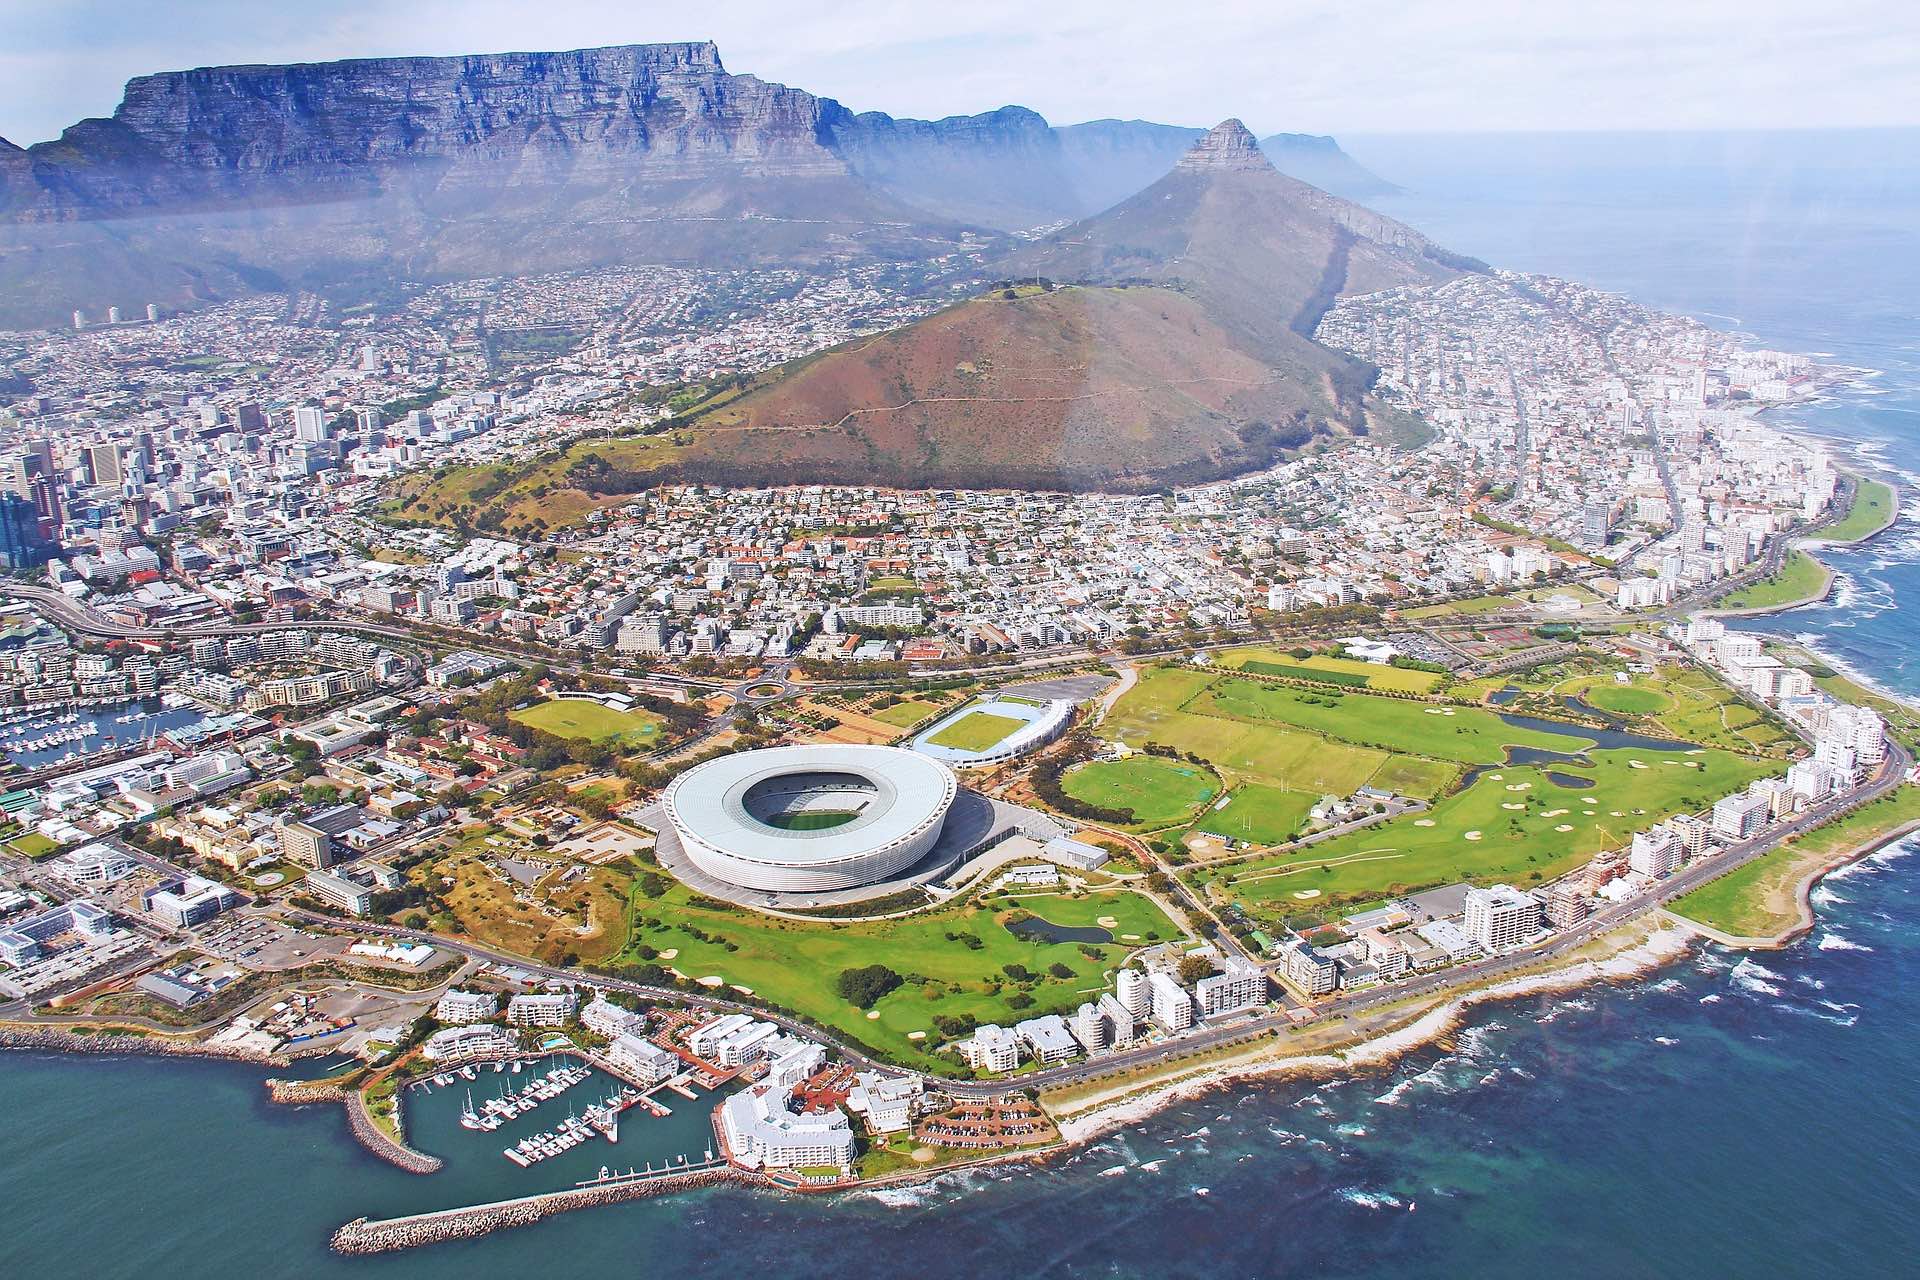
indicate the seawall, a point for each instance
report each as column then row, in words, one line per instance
column 364, row 1236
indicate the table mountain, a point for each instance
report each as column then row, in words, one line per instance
column 220, row 180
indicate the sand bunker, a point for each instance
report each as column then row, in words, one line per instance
column 1423, row 822
column 1107, row 922
column 671, row 953
column 1511, row 805
column 712, row 980
column 1307, row 895
column 1471, row 835
column 1563, row 827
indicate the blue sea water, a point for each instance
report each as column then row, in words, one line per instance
column 1726, row 1116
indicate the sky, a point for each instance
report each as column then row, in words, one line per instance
column 1318, row 66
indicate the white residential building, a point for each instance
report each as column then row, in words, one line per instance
column 1501, row 917
column 992, row 1048
column 761, row 1133
column 1657, row 852
column 1048, row 1038
column 642, row 1059
column 1172, row 1005
column 1738, row 816
column 458, row 1006
column 1241, row 986
column 541, row 1010
column 605, row 1018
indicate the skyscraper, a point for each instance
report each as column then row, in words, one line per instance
column 22, row 545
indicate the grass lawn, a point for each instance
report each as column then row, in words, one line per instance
column 1800, row 578
column 904, row 715
column 594, row 721
column 1159, row 792
column 893, row 586
column 1872, row 508
column 1627, row 699
column 1760, row 899
column 33, row 845
column 1259, row 815
column 795, row 964
column 976, row 731
column 1506, row 826
column 1466, row 734
column 1473, row 604
column 1269, row 661
column 1414, row 776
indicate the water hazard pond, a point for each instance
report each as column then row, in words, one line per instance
column 1034, row 929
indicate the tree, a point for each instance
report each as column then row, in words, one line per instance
column 866, row 985
column 1194, row 968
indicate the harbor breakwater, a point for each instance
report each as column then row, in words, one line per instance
column 56, row 1040
column 365, row 1236
column 297, row 1093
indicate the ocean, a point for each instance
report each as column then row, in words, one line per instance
column 1725, row 1116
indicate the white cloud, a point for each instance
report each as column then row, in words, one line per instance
column 1312, row 65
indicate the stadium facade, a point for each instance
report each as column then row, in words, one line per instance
column 810, row 819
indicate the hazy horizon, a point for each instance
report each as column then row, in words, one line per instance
column 1303, row 68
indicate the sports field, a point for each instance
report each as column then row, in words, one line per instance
column 904, row 715
column 976, row 731
column 594, row 721
column 1158, row 791
column 1263, row 660
column 1520, row 824
column 952, row 959
column 1258, row 815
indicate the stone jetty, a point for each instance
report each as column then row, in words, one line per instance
column 362, row 1236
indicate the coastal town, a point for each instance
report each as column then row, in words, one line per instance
column 342, row 725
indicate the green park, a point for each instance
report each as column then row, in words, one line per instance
column 956, row 965
column 582, row 718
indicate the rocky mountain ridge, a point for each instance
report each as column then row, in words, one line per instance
column 222, row 180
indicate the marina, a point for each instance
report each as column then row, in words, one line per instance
column 551, row 1125
column 36, row 738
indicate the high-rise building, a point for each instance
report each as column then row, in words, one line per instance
column 1657, row 852
column 1131, row 988
column 23, row 545
column 1738, row 816
column 103, row 464
column 310, row 424
column 1241, row 986
column 1172, row 1005
column 1309, row 970
column 1501, row 917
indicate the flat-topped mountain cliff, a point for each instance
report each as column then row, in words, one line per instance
column 214, row 181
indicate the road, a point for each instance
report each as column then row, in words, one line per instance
column 1472, row 973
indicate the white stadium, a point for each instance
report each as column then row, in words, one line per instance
column 810, row 819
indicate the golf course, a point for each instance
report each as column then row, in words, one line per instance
column 1519, row 798
column 953, row 960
